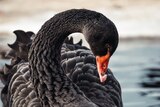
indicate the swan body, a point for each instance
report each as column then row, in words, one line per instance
column 45, row 73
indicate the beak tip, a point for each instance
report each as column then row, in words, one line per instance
column 103, row 78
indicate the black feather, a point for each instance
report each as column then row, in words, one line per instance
column 36, row 76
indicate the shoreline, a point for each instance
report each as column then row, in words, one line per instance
column 132, row 17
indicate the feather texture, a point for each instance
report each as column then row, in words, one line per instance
column 56, row 75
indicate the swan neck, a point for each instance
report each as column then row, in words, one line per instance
column 47, row 75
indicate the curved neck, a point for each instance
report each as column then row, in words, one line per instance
column 47, row 75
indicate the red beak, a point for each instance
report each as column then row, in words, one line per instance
column 102, row 66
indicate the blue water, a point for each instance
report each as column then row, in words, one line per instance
column 134, row 66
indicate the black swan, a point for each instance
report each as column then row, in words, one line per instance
column 45, row 72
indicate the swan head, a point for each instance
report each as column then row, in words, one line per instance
column 102, row 37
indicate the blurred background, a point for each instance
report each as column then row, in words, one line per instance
column 136, row 63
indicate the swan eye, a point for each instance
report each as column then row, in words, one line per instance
column 108, row 47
